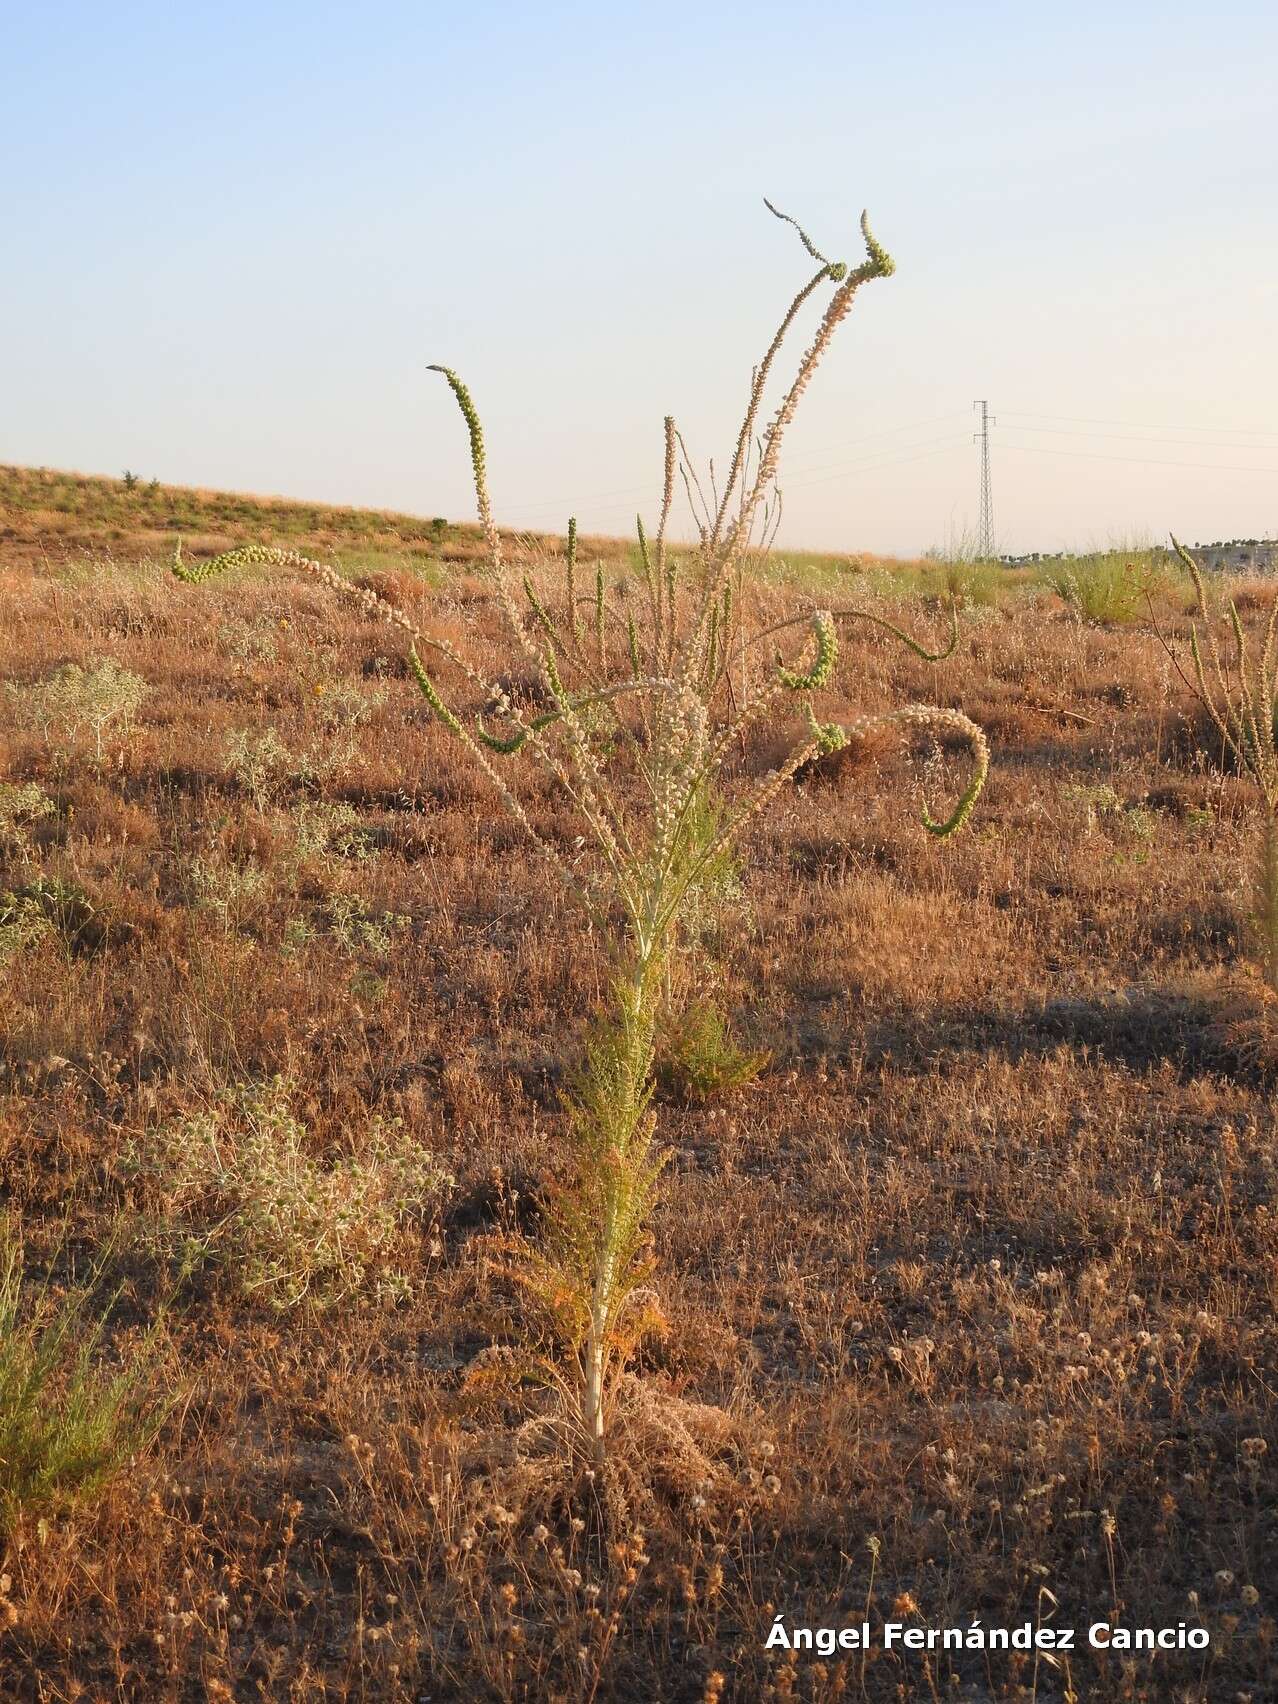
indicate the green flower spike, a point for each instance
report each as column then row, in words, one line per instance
column 430, row 694
column 828, row 735
column 827, row 654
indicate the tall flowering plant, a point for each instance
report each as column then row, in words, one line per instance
column 648, row 688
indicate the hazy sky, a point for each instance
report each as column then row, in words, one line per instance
column 234, row 235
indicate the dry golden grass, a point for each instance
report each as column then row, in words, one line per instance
column 984, row 1261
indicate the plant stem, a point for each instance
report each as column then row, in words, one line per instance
column 624, row 1148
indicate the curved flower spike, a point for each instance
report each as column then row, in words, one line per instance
column 833, row 737
column 474, row 428
column 880, row 264
column 919, row 649
column 431, row 694
column 836, row 270
column 242, row 557
column 827, row 654
column 829, row 736
column 517, row 740
column 569, row 706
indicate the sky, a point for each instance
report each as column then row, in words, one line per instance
column 234, row 236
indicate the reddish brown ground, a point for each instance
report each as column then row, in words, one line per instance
column 979, row 1277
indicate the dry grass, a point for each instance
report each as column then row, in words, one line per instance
column 985, row 1258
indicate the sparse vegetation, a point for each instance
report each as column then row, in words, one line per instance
column 1242, row 707
column 24, row 923
column 22, row 805
column 234, row 1188
column 75, row 701
column 699, row 1061
column 969, row 1293
column 1113, row 586
column 68, row 1420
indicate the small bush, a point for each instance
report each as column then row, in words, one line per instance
column 248, row 641
column 266, row 769
column 1112, row 588
column 235, row 1188
column 230, row 892
column 23, row 925
column 75, row 702
column 261, row 764
column 66, row 1423
column 356, row 930
column 1092, row 802
column 700, row 1061
column 322, row 829
column 21, row 805
column 50, row 905
column 344, row 706
column 975, row 585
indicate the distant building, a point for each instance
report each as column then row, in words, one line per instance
column 1238, row 556
column 1232, row 556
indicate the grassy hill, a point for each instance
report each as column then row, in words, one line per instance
column 44, row 512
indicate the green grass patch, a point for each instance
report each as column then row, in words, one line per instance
column 699, row 1061
column 68, row 1419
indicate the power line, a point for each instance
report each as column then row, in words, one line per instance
column 1135, row 425
column 546, row 505
column 871, row 438
column 804, row 463
column 946, row 446
column 881, row 460
column 897, row 454
column 1134, row 438
column 1139, row 461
